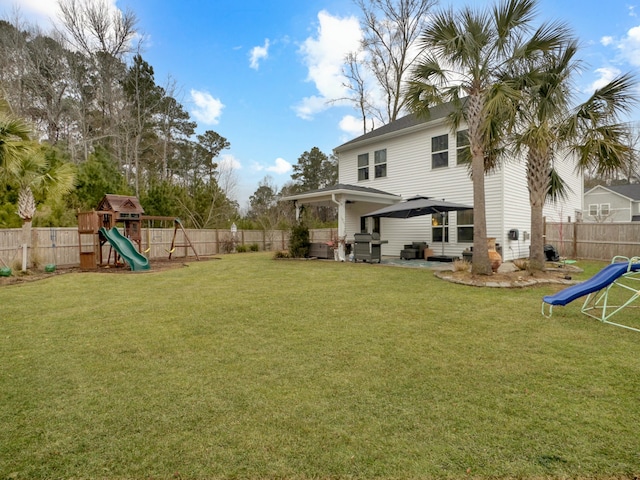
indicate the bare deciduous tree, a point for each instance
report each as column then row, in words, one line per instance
column 104, row 35
column 388, row 51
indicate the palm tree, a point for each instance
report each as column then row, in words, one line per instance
column 14, row 141
column 468, row 54
column 547, row 126
column 24, row 165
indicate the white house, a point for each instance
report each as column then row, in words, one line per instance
column 615, row 203
column 413, row 157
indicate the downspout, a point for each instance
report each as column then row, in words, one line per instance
column 297, row 207
column 342, row 234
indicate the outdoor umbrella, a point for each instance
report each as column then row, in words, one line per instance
column 416, row 206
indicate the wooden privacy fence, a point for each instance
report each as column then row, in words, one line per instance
column 595, row 241
column 60, row 245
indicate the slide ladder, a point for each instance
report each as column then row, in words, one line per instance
column 622, row 272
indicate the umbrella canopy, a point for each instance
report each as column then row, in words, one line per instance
column 417, row 206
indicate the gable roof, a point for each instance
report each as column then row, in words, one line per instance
column 324, row 195
column 120, row 203
column 437, row 112
column 631, row 191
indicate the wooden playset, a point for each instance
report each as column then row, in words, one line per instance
column 99, row 227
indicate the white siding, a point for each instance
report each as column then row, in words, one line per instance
column 620, row 207
column 409, row 173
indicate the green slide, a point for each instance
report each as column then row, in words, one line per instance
column 126, row 249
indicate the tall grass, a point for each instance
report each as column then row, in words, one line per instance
column 249, row 367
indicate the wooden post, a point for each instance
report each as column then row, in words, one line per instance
column 575, row 240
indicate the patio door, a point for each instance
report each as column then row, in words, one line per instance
column 440, row 228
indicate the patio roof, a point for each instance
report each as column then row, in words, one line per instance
column 350, row 193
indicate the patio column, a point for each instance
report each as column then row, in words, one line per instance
column 342, row 225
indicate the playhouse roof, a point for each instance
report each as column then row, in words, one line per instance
column 120, row 203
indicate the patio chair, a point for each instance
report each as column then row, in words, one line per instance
column 413, row 251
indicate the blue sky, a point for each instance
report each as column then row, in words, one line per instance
column 260, row 73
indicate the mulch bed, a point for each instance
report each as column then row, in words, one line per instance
column 157, row 265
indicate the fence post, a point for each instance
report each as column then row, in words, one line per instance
column 575, row 239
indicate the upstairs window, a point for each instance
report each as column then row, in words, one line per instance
column 463, row 150
column 440, row 151
column 380, row 163
column 363, row 167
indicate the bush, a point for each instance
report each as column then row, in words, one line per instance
column 281, row 254
column 461, row 266
column 299, row 241
column 521, row 263
column 254, row 247
column 226, row 244
column 242, row 248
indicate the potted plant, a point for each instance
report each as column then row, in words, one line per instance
column 335, row 243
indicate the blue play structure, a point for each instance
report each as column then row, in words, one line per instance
column 619, row 274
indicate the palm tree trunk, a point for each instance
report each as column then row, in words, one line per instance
column 537, row 179
column 481, row 265
column 26, row 211
column 26, row 243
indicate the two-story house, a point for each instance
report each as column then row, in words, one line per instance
column 614, row 203
column 413, row 157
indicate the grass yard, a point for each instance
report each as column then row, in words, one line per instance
column 247, row 367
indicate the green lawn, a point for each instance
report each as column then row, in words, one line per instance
column 247, row 367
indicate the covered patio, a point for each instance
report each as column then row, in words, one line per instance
column 352, row 199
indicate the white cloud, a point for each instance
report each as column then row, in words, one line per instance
column 309, row 106
column 207, row 109
column 632, row 11
column 605, row 74
column 40, row 12
column 43, row 14
column 281, row 167
column 351, row 125
column 629, row 46
column 257, row 54
column 324, row 56
column 606, row 41
column 229, row 162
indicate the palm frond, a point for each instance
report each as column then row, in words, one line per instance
column 557, row 188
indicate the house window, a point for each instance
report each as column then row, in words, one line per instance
column 365, row 222
column 439, row 226
column 380, row 163
column 605, row 209
column 465, row 226
column 363, row 167
column 463, row 150
column 593, row 210
column 440, row 151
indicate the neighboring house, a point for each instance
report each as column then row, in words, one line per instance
column 617, row 203
column 411, row 157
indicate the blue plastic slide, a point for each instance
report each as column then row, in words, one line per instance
column 600, row 280
column 126, row 249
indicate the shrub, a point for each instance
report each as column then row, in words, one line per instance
column 226, row 244
column 281, row 254
column 461, row 266
column 521, row 263
column 299, row 241
column 242, row 248
column 254, row 247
